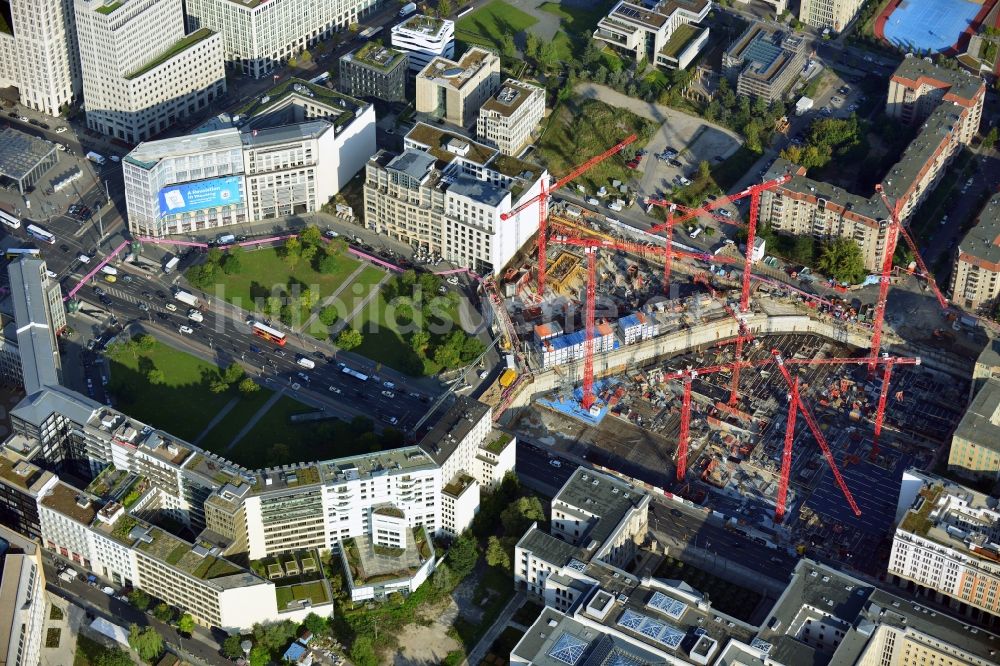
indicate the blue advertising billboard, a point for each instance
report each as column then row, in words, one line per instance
column 212, row 193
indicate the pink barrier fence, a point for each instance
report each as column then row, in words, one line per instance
column 98, row 267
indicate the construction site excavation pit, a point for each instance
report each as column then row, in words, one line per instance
column 735, row 450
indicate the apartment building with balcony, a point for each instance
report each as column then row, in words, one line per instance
column 260, row 35
column 424, row 38
column 947, row 545
column 807, row 206
column 832, row 14
column 446, row 193
column 142, row 72
column 509, row 118
column 765, row 61
column 975, row 278
column 455, row 91
column 661, row 33
column 918, row 87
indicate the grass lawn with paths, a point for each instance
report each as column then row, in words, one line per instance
column 384, row 341
column 349, row 298
column 265, row 274
column 489, row 23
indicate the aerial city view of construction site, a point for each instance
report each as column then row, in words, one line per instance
column 528, row 332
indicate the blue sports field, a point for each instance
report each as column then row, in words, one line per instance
column 918, row 25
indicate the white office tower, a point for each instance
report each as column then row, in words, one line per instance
column 259, row 35
column 141, row 73
column 38, row 53
column 424, row 38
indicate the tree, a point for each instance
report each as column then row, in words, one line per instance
column 496, row 554
column 516, row 517
column 156, row 376
column 841, row 259
column 549, row 55
column 163, row 612
column 139, row 599
column 232, row 264
column 532, row 46
column 329, row 315
column 259, row 656
column 463, row 555
column 990, row 140
column 327, row 263
column 231, row 646
column 291, row 252
column 218, row 385
column 185, row 624
column 447, row 356
column 419, row 341
column 442, row 580
column 363, row 652
column 315, row 624
column 146, row 642
column 113, row 657
column 349, row 339
column 248, row 386
column 704, row 169
column 233, row 373
column 444, row 8
column 311, row 236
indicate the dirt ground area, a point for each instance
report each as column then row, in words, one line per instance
column 420, row 645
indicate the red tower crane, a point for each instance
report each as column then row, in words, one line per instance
column 588, row 341
column 887, row 363
column 754, row 192
column 682, row 442
column 820, row 439
column 786, row 454
column 542, row 198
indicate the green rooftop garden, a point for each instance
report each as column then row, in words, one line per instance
column 107, row 9
column 313, row 591
column 420, row 539
column 679, row 39
column 179, row 46
column 499, row 444
column 320, row 93
column 514, row 167
column 376, row 55
column 918, row 521
column 122, row 528
column 390, row 511
column 458, row 486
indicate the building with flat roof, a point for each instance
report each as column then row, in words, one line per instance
column 21, row 483
column 455, row 91
column 22, row 599
column 804, row 206
column 38, row 54
column 40, row 316
column 947, row 545
column 823, row 617
column 259, row 35
column 832, row 14
column 289, row 152
column 662, row 33
column 975, row 278
column 765, row 61
column 424, row 38
column 142, row 73
column 975, row 444
column 446, row 193
column 24, row 158
column 375, row 71
column 509, row 118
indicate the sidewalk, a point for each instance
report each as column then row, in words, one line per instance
column 343, row 323
column 329, row 299
column 479, row 652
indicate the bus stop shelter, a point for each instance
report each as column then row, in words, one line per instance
column 24, row 159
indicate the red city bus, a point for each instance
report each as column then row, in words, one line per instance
column 268, row 333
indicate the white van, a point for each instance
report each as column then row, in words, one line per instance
column 307, row 363
column 696, row 232
column 109, row 270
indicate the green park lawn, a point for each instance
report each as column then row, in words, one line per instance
column 487, row 25
column 350, row 297
column 182, row 405
column 575, row 132
column 384, row 337
column 265, row 274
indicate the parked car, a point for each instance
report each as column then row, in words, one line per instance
column 187, row 330
column 555, row 463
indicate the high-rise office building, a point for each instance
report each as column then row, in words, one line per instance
column 141, row 72
column 833, row 14
column 40, row 315
column 38, row 53
column 259, row 35
column 424, row 38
